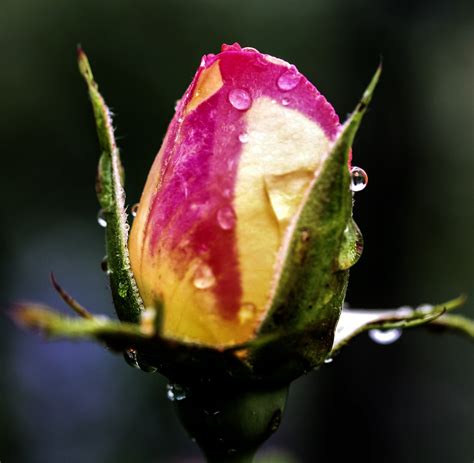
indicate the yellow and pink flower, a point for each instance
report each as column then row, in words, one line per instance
column 248, row 137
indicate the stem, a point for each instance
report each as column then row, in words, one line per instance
column 230, row 422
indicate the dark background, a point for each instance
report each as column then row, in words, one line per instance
column 408, row 402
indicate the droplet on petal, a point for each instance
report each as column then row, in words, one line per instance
column 244, row 137
column 359, row 179
column 288, row 80
column 385, row 336
column 204, row 277
column 285, row 101
column 240, row 99
column 247, row 312
column 226, row 218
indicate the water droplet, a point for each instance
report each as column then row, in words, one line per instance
column 104, row 265
column 176, row 104
column 130, row 356
column 359, row 179
column 101, row 219
column 175, row 392
column 288, row 80
column 134, row 209
column 122, row 289
column 385, row 336
column 227, row 193
column 180, row 119
column 250, row 49
column 240, row 99
column 247, row 312
column 244, row 137
column 204, row 277
column 275, row 421
column 226, row 218
column 145, row 366
column 285, row 102
column 328, row 360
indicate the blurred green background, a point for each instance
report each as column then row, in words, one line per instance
column 407, row 402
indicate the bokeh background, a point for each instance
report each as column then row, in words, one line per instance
column 407, row 402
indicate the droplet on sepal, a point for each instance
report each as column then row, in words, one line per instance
column 352, row 245
column 104, row 265
column 130, row 356
column 288, row 80
column 175, row 392
column 240, row 99
column 359, row 179
column 134, row 209
column 101, row 219
column 226, row 218
column 204, row 277
column 385, row 336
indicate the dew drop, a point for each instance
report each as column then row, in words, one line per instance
column 101, row 219
column 104, row 265
column 288, row 80
column 175, row 392
column 130, row 356
column 385, row 336
column 176, row 104
column 285, row 102
column 240, row 99
column 328, row 360
column 359, row 179
column 134, row 209
column 122, row 290
column 204, row 277
column 250, row 49
column 247, row 312
column 244, row 137
column 145, row 366
column 226, row 218
column 227, row 193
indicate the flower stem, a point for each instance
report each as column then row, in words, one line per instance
column 230, row 422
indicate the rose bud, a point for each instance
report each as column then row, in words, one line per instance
column 248, row 138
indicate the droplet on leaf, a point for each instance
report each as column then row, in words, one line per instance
column 385, row 336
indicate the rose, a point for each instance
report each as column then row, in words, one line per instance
column 249, row 139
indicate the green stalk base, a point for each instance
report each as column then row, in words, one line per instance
column 230, row 423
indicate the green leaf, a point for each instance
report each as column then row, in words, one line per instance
column 357, row 321
column 111, row 196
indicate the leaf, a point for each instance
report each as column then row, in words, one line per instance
column 357, row 321
column 111, row 196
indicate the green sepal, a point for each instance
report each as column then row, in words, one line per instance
column 354, row 322
column 111, row 196
column 311, row 287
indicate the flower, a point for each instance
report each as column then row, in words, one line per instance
column 247, row 139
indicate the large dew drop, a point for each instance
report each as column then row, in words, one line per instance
column 359, row 179
column 204, row 277
column 288, row 80
column 240, row 99
column 226, row 218
column 385, row 336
